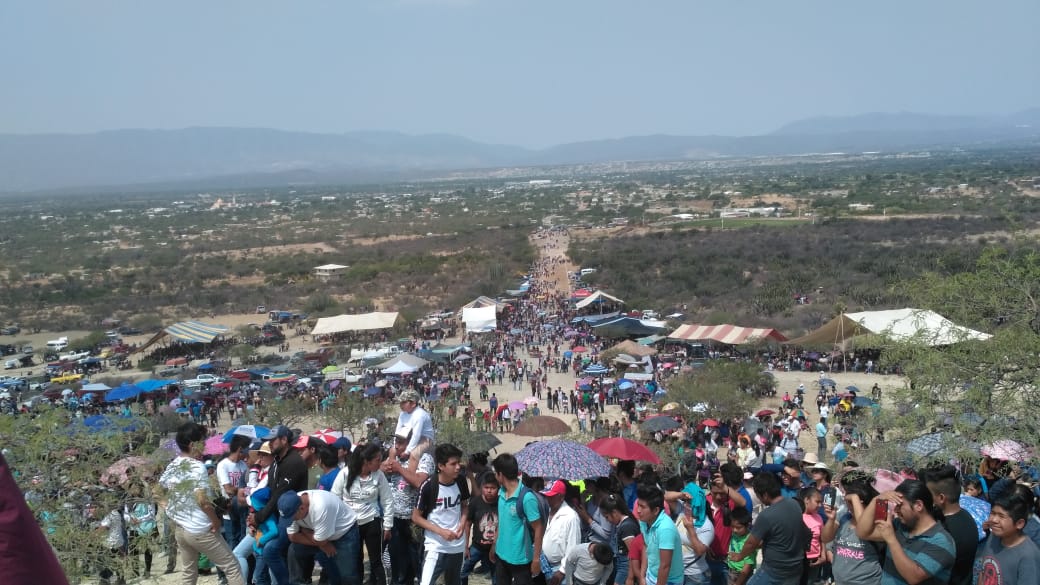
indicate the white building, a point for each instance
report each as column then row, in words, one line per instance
column 328, row 272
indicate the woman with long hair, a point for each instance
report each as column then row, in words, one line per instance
column 856, row 561
column 364, row 488
column 615, row 510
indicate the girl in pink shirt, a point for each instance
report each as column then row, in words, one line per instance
column 812, row 500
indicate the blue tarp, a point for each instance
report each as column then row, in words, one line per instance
column 153, row 385
column 124, row 392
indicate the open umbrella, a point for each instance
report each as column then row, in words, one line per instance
column 531, row 401
column 517, row 405
column 620, row 448
column 1006, row 450
column 327, row 435
column 765, row 412
column 462, row 357
column 120, row 472
column 214, row 446
column 561, row 459
column 671, row 406
column 825, row 382
column 710, row 422
column 541, row 426
column 659, row 423
column 251, row 431
column 862, row 402
column 482, row 442
column 798, row 413
column 580, row 349
column 852, row 389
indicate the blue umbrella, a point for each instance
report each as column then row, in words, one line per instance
column 568, row 354
column 584, row 387
column 371, row 391
column 863, row 402
column 827, row 382
column 852, row 389
column 251, row 431
column 516, row 331
column 124, row 392
column 182, row 410
column 561, row 459
column 596, row 370
column 625, row 385
column 97, row 421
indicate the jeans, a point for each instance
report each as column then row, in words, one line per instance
column 719, row 572
column 482, row 557
column 274, row 557
column 440, row 563
column 343, row 568
column 821, row 444
column 235, row 528
column 761, row 577
column 698, row 580
column 190, row 545
column 242, row 551
column 404, row 551
column 620, row 569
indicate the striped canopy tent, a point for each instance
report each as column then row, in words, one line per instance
column 188, row 332
column 727, row 334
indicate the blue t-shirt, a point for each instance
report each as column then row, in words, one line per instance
column 514, row 544
column 326, row 480
column 662, row 535
column 747, row 498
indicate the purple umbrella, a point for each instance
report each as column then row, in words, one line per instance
column 517, row 405
column 561, row 459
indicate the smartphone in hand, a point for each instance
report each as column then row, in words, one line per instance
column 881, row 509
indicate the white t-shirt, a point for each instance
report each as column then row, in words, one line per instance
column 446, row 512
column 328, row 516
column 705, row 534
column 182, row 478
column 419, row 423
column 232, row 472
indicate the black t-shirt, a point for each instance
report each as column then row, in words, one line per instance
column 965, row 533
column 628, row 528
column 483, row 518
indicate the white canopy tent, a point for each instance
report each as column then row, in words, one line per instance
column 597, row 297
column 927, row 327
column 480, row 319
column 363, row 322
column 483, row 301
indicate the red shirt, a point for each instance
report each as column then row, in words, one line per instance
column 635, row 548
column 720, row 546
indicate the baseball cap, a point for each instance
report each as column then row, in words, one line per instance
column 555, row 488
column 288, row 504
column 409, row 396
column 280, row 432
column 307, row 441
column 341, row 443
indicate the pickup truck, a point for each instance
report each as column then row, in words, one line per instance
column 348, row 376
column 73, row 356
column 201, row 380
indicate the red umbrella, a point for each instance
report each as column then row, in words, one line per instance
column 710, row 422
column 224, row 385
column 328, row 435
column 765, row 412
column 624, row 449
column 581, row 293
column 580, row 349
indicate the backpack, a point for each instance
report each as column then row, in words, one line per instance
column 543, row 509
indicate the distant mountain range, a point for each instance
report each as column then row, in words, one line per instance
column 256, row 157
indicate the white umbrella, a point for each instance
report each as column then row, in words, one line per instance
column 5, row 394
column 66, row 392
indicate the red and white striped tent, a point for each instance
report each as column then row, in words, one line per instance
column 728, row 334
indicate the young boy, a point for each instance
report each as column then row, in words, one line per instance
column 483, row 523
column 1008, row 556
column 441, row 512
column 740, row 523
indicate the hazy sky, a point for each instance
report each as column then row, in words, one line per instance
column 529, row 72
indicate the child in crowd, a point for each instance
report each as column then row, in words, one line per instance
column 740, row 523
column 816, row 556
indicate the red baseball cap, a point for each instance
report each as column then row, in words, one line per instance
column 555, row 488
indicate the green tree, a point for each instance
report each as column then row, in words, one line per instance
column 975, row 391
column 243, row 352
column 722, row 389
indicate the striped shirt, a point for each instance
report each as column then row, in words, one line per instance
column 932, row 550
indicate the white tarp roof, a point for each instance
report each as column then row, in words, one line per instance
column 483, row 301
column 906, row 324
column 927, row 327
column 598, row 296
column 480, row 319
column 365, row 322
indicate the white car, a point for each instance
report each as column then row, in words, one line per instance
column 201, row 380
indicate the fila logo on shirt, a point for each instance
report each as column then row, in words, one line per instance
column 448, row 502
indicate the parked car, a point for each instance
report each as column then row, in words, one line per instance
column 129, row 331
column 11, row 330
